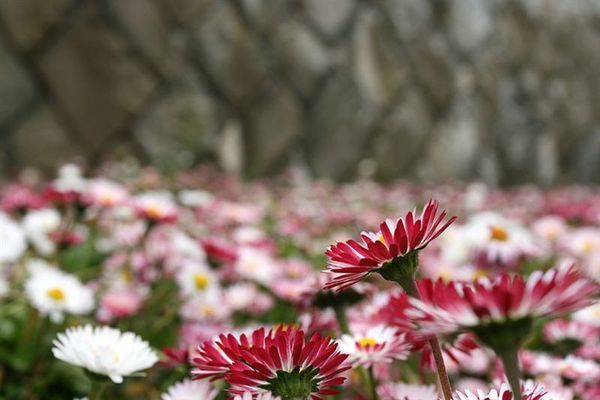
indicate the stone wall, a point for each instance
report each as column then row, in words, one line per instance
column 504, row 91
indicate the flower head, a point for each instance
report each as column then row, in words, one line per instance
column 448, row 307
column 404, row 391
column 530, row 391
column 189, row 390
column 290, row 366
column 55, row 293
column 104, row 351
column 351, row 261
column 377, row 344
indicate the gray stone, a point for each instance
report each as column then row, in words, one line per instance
column 179, row 130
column 185, row 12
column 401, row 138
column 470, row 23
column 411, row 18
column 230, row 54
column 28, row 20
column 41, row 141
column 16, row 88
column 377, row 66
column 143, row 22
column 338, row 129
column 302, row 54
column 453, row 150
column 95, row 79
column 274, row 127
column 329, row 16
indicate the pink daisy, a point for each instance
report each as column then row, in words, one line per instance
column 351, row 261
column 289, row 366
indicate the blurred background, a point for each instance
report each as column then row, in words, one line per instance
column 500, row 91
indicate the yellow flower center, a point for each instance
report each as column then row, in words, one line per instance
column 499, row 233
column 107, row 199
column 56, row 294
column 479, row 274
column 153, row 212
column 201, row 281
column 207, row 311
column 367, row 342
column 588, row 247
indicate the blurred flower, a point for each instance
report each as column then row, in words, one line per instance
column 379, row 344
column 12, row 239
column 191, row 390
column 119, row 303
column 529, row 392
column 104, row 193
column 446, row 307
column 104, row 351
column 38, row 226
column 251, row 396
column 54, row 293
column 156, row 206
column 404, row 391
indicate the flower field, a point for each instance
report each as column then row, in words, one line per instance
column 127, row 284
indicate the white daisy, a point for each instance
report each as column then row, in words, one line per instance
column 12, row 239
column 157, row 206
column 256, row 265
column 378, row 344
column 191, row 390
column 590, row 315
column 54, row 293
column 70, row 179
column 102, row 192
column 104, row 351
column 195, row 277
column 38, row 225
column 404, row 391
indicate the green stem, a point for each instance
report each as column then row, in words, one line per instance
column 372, row 384
column 342, row 319
column 510, row 360
column 97, row 389
column 410, row 287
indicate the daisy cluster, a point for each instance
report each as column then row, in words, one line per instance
column 129, row 284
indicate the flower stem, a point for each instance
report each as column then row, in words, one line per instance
column 342, row 319
column 410, row 287
column 372, row 384
column 97, row 389
column 510, row 360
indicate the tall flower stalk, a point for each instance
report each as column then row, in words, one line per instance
column 393, row 252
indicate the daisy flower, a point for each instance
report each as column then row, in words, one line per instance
column 12, row 239
column 404, row 391
column 195, row 277
column 156, row 206
column 55, row 293
column 564, row 330
column 190, row 390
column 448, row 307
column 497, row 240
column 289, row 366
column 104, row 193
column 104, row 351
column 379, row 344
column 387, row 250
column 213, row 359
column 530, row 391
column 38, row 226
column 589, row 315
